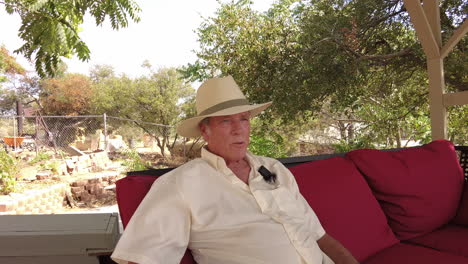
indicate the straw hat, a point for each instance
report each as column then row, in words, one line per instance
column 218, row 97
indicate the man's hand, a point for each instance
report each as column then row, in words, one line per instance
column 336, row 251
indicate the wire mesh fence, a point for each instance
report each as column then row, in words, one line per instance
column 70, row 134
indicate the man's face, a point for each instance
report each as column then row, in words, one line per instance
column 227, row 136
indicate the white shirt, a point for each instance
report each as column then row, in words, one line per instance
column 205, row 206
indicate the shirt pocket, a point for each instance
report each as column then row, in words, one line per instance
column 287, row 204
column 298, row 224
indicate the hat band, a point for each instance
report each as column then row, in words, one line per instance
column 224, row 105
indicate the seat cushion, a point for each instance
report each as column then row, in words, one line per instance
column 451, row 239
column 344, row 204
column 410, row 254
column 462, row 213
column 419, row 188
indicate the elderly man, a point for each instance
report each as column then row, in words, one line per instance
column 229, row 206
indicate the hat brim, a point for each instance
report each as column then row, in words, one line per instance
column 189, row 127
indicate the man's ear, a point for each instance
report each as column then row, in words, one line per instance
column 204, row 129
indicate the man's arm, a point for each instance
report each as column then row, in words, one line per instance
column 337, row 252
column 160, row 227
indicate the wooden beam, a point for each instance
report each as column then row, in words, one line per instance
column 432, row 11
column 454, row 39
column 458, row 98
column 435, row 70
column 423, row 28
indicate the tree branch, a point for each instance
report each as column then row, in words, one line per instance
column 385, row 56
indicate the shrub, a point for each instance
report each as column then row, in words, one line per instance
column 344, row 146
column 263, row 146
column 41, row 156
column 133, row 161
column 8, row 171
column 52, row 166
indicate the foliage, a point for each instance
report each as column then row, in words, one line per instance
column 358, row 63
column 8, row 171
column 133, row 161
column 8, row 64
column 23, row 88
column 283, row 135
column 346, row 146
column 41, row 156
column 69, row 95
column 52, row 166
column 457, row 125
column 50, row 28
column 10, row 74
column 263, row 146
column 156, row 100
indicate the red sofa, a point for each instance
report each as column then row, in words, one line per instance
column 402, row 206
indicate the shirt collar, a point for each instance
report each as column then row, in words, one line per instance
column 219, row 164
column 256, row 180
column 214, row 160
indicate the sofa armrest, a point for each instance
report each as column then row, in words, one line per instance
column 462, row 213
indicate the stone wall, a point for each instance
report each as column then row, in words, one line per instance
column 52, row 199
column 43, row 201
column 87, row 190
column 88, row 185
column 75, row 165
column 93, row 162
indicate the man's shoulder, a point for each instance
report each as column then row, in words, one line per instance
column 183, row 173
column 192, row 167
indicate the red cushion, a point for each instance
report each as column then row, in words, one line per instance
column 418, row 188
column 462, row 212
column 450, row 239
column 130, row 191
column 345, row 205
column 410, row 254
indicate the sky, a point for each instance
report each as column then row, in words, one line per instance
column 165, row 36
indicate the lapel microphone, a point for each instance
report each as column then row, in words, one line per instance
column 267, row 175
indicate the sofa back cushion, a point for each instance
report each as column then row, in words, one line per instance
column 418, row 188
column 344, row 204
column 462, row 213
column 130, row 191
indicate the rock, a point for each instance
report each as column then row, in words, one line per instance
column 79, row 183
column 95, row 180
column 76, row 190
column 42, row 175
column 86, row 197
column 27, row 173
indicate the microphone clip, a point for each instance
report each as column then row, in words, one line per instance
column 267, row 175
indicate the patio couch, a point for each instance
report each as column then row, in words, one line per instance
column 401, row 206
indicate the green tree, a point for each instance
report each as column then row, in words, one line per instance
column 50, row 28
column 23, row 88
column 159, row 97
column 15, row 84
column 358, row 61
